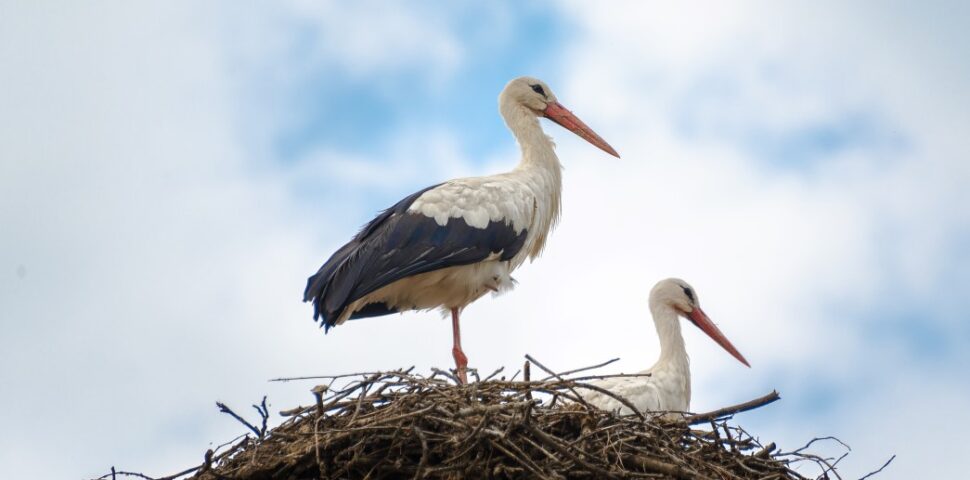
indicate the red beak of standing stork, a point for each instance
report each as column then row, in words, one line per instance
column 558, row 113
column 449, row 244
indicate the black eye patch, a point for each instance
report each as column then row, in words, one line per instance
column 538, row 89
column 689, row 294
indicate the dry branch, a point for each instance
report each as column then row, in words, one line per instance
column 730, row 411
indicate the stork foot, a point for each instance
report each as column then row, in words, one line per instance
column 461, row 364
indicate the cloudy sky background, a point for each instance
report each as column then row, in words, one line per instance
column 170, row 174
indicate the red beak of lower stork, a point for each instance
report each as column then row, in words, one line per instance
column 707, row 326
column 557, row 113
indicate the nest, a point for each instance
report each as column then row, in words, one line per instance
column 401, row 425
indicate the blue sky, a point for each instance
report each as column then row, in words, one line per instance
column 370, row 108
column 170, row 174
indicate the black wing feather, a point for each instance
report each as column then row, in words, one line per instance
column 398, row 244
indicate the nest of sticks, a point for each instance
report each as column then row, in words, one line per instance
column 399, row 424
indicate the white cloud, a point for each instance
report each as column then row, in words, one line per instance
column 399, row 35
column 359, row 39
column 414, row 158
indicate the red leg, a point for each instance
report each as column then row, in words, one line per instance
column 461, row 361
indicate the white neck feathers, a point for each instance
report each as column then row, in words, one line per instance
column 673, row 363
column 539, row 168
column 672, row 349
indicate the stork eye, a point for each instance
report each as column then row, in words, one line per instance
column 538, row 89
column 689, row 294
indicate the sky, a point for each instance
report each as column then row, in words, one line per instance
column 171, row 173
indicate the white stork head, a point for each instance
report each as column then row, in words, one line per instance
column 534, row 96
column 679, row 296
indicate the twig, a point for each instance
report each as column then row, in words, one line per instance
column 450, row 375
column 496, row 372
column 320, row 377
column 318, row 392
column 727, row 411
column 183, row 472
column 264, row 414
column 225, row 409
column 633, row 408
column 662, row 467
column 527, row 377
column 127, row 474
column 612, row 375
column 558, row 377
column 345, row 375
column 880, row 468
column 206, row 462
column 583, row 369
column 766, row 450
column 819, row 439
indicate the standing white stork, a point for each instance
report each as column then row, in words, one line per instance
column 447, row 245
column 667, row 388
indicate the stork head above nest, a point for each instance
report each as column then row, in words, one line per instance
column 677, row 295
column 532, row 95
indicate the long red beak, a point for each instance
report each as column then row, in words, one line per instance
column 557, row 113
column 707, row 326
